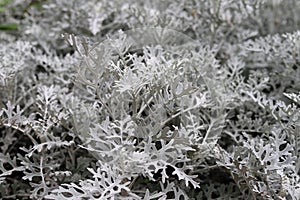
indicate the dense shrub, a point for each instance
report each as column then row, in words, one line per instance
column 125, row 99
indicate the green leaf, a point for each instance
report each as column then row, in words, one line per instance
column 38, row 5
column 4, row 2
column 2, row 9
column 9, row 26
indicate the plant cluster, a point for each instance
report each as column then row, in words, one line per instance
column 127, row 99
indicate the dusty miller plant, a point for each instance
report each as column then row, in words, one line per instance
column 149, row 100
